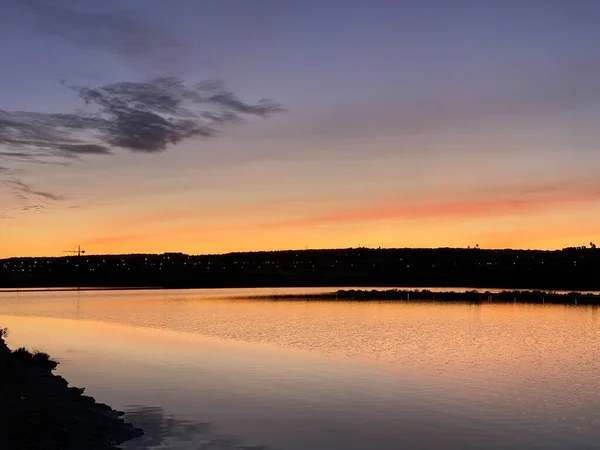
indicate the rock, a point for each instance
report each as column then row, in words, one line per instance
column 40, row 410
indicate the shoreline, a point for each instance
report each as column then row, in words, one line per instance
column 425, row 295
column 40, row 409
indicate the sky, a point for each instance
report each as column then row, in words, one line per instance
column 429, row 123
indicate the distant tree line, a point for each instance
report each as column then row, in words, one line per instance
column 569, row 269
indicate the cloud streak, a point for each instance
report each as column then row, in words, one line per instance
column 461, row 209
column 32, row 208
column 23, row 190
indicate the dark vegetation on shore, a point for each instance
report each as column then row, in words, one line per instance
column 471, row 296
column 568, row 269
column 40, row 411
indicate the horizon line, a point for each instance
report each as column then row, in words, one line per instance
column 582, row 247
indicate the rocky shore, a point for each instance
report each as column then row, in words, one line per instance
column 38, row 409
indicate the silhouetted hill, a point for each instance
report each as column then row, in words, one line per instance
column 568, row 269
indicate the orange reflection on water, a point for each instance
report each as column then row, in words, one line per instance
column 396, row 364
column 427, row 337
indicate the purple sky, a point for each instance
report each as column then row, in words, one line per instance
column 390, row 104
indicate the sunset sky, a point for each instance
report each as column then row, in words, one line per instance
column 408, row 124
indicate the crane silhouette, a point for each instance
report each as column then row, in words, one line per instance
column 79, row 252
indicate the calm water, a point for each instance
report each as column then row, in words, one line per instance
column 197, row 366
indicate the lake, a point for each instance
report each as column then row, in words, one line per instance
column 199, row 366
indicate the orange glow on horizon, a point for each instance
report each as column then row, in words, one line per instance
column 547, row 229
column 526, row 216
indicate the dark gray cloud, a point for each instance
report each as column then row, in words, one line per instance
column 85, row 149
column 31, row 135
column 135, row 116
column 29, row 157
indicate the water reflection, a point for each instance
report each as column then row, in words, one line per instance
column 164, row 431
column 326, row 375
column 436, row 337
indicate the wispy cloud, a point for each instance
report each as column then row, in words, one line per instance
column 23, row 190
column 121, row 32
column 502, row 205
column 33, row 208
